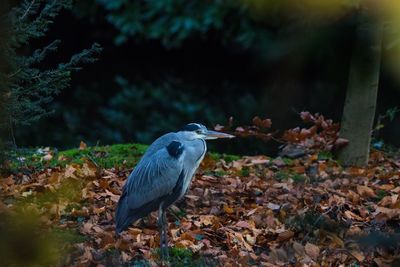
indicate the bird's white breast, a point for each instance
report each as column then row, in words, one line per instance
column 194, row 158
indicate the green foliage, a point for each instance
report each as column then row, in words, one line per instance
column 245, row 171
column 182, row 257
column 173, row 21
column 287, row 161
column 325, row 155
column 282, row 175
column 286, row 174
column 381, row 194
column 30, row 86
column 298, row 178
column 220, row 173
column 228, row 158
column 118, row 155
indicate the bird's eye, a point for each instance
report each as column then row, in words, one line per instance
column 198, row 131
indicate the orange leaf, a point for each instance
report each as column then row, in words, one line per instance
column 228, row 209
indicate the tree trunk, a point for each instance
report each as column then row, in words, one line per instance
column 362, row 90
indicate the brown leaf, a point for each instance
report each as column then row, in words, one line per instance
column 389, row 213
column 278, row 255
column 358, row 255
column 285, row 236
column 298, row 248
column 312, row 250
column 70, row 172
column 243, row 224
column 266, row 123
column 82, row 146
column 352, row 216
column 365, row 191
column 388, row 201
column 306, row 116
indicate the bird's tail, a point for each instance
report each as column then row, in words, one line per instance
column 123, row 216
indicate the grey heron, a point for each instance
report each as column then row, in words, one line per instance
column 163, row 176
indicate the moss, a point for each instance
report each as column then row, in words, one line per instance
column 298, row 178
column 282, row 175
column 120, row 155
column 67, row 236
column 230, row 158
column 325, row 155
column 245, row 171
column 183, row 257
column 287, row 161
column 381, row 194
column 220, row 173
column 287, row 174
column 227, row 157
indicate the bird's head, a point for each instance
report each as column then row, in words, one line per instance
column 198, row 131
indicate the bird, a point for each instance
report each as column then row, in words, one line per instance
column 162, row 176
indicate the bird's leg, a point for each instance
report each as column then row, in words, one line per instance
column 165, row 225
column 163, row 228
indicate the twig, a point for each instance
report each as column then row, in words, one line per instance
column 13, row 74
column 27, row 10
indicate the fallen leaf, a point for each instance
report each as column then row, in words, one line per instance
column 82, row 146
column 365, row 191
column 312, row 250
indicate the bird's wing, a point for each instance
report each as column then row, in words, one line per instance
column 153, row 177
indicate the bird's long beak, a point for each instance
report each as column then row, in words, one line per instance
column 214, row 135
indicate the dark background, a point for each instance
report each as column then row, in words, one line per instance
column 143, row 87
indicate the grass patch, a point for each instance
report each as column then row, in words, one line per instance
column 31, row 160
column 288, row 161
column 119, row 155
column 325, row 155
column 298, row 178
column 285, row 175
column 245, row 171
column 220, row 173
column 228, row 158
column 282, row 175
column 182, row 257
column 381, row 194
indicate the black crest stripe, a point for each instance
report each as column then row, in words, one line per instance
column 191, row 127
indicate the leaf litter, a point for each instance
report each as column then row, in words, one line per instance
column 252, row 211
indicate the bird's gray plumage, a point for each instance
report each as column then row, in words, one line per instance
column 160, row 177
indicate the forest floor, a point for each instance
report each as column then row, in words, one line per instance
column 58, row 209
